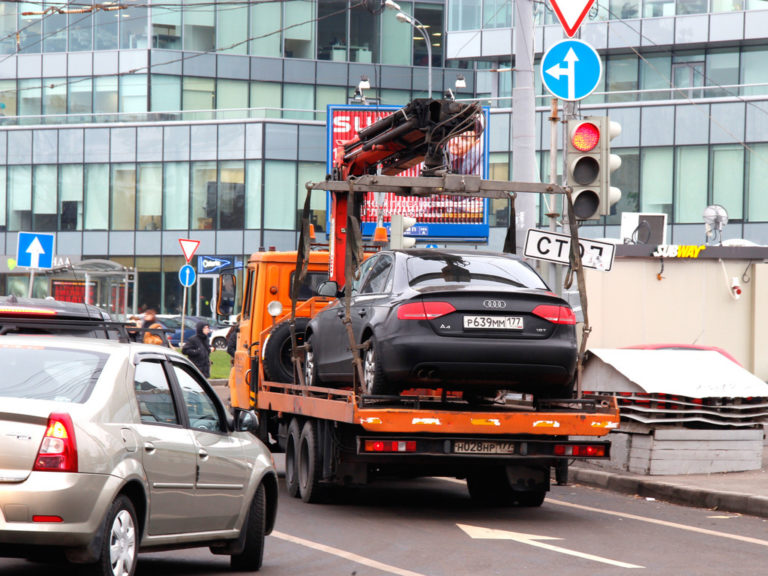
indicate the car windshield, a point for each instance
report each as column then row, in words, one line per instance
column 478, row 270
column 58, row 374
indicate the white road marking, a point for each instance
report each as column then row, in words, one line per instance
column 477, row 532
column 747, row 539
column 344, row 554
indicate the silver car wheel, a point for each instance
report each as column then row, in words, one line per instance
column 369, row 370
column 309, row 367
column 122, row 544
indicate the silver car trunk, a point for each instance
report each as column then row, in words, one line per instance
column 22, row 426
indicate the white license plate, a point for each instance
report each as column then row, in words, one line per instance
column 493, row 322
column 483, row 447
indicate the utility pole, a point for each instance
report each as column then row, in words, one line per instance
column 524, row 121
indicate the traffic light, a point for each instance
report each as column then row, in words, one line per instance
column 398, row 225
column 590, row 163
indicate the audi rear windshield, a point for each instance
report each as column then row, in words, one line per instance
column 49, row 373
column 475, row 270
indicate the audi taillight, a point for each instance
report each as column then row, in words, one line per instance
column 58, row 450
column 424, row 310
column 555, row 314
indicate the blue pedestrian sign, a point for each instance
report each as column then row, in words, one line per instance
column 187, row 275
column 34, row 250
column 571, row 70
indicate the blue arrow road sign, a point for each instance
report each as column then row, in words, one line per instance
column 187, row 275
column 571, row 70
column 34, row 250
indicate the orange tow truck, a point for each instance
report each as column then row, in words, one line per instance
column 505, row 449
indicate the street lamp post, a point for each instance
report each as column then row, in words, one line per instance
column 403, row 17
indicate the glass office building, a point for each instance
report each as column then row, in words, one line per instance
column 126, row 128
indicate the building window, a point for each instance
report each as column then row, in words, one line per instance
column 8, row 27
column 658, row 8
column 266, row 100
column 203, row 198
column 133, row 28
column 397, row 48
column 97, row 197
column 198, row 93
column 621, row 76
column 363, row 35
column 166, row 28
column 80, row 96
column 253, row 197
column 150, row 196
column 332, row 30
column 231, row 200
column 105, row 95
column 199, row 31
column 30, row 28
column 655, row 73
column 656, row 179
column 265, row 37
column 232, row 28
column 279, row 207
column 133, row 93
column 431, row 18
column 757, row 174
column 165, row 93
column 44, row 216
column 299, row 28
column 20, row 197
column 688, row 75
column 691, row 7
column 123, row 197
column 106, row 29
column 727, row 165
column 465, row 14
column 70, row 197
column 30, row 97
column 498, row 210
column 626, row 179
column 55, row 32
column 723, row 72
column 298, row 97
column 624, row 9
column 497, row 14
column 754, row 72
column 691, row 171
column 176, row 195
column 55, row 96
column 81, row 32
column 312, row 172
column 231, row 95
column 3, row 184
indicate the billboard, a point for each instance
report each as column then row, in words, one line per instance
column 439, row 217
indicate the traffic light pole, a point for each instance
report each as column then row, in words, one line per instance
column 555, row 281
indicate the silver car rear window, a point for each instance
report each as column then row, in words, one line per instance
column 477, row 270
column 43, row 373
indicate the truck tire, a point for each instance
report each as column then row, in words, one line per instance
column 251, row 557
column 278, row 366
column 373, row 373
column 291, row 458
column 311, row 465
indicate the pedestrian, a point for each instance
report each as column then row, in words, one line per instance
column 232, row 338
column 150, row 322
column 198, row 349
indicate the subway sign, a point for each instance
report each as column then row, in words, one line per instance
column 438, row 217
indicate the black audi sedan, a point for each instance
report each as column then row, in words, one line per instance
column 457, row 320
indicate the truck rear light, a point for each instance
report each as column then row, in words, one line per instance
column 58, row 450
column 424, row 310
column 390, row 446
column 555, row 314
column 580, row 450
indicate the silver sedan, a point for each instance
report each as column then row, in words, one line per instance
column 109, row 448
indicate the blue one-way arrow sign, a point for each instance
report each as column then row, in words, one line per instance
column 187, row 275
column 571, row 70
column 34, row 250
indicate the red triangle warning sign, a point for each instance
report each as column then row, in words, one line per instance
column 188, row 247
column 571, row 13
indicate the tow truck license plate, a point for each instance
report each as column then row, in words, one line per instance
column 483, row 447
column 494, row 322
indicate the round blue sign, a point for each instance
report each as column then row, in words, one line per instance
column 187, row 275
column 571, row 70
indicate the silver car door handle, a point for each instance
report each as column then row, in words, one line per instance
column 362, row 312
column 149, row 448
column 203, row 454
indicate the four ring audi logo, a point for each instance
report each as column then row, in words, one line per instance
column 495, row 304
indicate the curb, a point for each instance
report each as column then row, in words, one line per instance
column 696, row 497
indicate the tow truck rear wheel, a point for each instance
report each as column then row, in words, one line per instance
column 310, row 465
column 291, row 458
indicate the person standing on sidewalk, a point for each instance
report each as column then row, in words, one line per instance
column 198, row 349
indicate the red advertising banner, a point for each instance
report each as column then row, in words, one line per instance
column 437, row 217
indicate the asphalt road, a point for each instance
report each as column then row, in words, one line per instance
column 430, row 527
